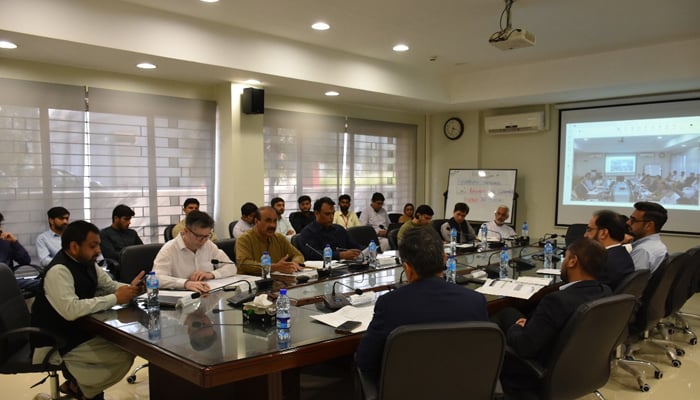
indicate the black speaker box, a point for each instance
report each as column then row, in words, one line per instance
column 253, row 101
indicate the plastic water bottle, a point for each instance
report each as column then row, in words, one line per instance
column 548, row 253
column 504, row 267
column 451, row 269
column 283, row 318
column 372, row 254
column 153, row 306
column 265, row 264
column 453, row 241
column 484, row 237
column 525, row 232
column 327, row 256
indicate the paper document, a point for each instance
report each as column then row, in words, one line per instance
column 509, row 288
column 310, row 272
column 213, row 284
column 549, row 271
column 315, row 264
column 348, row 313
column 535, row 280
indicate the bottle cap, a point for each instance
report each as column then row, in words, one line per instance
column 283, row 292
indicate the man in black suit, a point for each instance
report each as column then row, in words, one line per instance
column 428, row 298
column 535, row 337
column 608, row 228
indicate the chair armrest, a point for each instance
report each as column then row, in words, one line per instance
column 38, row 268
column 57, row 342
column 523, row 363
column 370, row 391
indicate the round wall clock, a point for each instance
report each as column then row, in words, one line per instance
column 453, row 128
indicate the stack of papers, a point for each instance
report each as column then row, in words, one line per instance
column 521, row 289
column 316, row 264
column 213, row 284
column 549, row 271
column 348, row 313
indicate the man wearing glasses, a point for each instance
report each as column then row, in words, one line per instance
column 608, row 228
column 185, row 261
column 648, row 251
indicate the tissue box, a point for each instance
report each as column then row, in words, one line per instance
column 254, row 314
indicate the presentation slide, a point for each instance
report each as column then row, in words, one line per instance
column 611, row 157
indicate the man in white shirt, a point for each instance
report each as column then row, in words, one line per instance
column 376, row 216
column 246, row 222
column 185, row 261
column 283, row 225
column 49, row 243
column 499, row 224
column 344, row 217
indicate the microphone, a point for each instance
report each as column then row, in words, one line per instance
column 400, row 283
column 215, row 262
column 323, row 272
column 335, row 302
column 314, row 250
column 546, row 236
column 241, row 297
column 496, row 245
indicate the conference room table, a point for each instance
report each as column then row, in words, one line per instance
column 209, row 352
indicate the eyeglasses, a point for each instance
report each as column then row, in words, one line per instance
column 591, row 228
column 634, row 220
column 200, row 237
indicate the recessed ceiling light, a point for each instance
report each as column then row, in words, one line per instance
column 4, row 44
column 321, row 26
column 332, row 93
column 209, row 1
column 146, row 65
column 401, row 47
column 252, row 82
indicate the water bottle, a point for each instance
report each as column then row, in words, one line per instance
column 265, row 264
column 283, row 318
column 451, row 269
column 327, row 257
column 453, row 241
column 504, row 268
column 484, row 237
column 153, row 306
column 548, row 253
column 525, row 231
column 372, row 254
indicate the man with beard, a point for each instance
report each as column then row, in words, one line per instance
column 283, row 225
column 645, row 223
column 75, row 286
column 264, row 237
column 608, row 228
column 14, row 255
column 322, row 232
column 344, row 217
column 48, row 243
column 532, row 338
column 304, row 216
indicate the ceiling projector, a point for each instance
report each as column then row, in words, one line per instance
column 515, row 39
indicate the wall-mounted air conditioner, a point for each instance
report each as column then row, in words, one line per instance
column 515, row 123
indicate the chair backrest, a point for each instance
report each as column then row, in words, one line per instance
column 574, row 232
column 634, row 283
column 392, row 235
column 653, row 301
column 168, row 232
column 394, row 217
column 14, row 313
column 393, row 225
column 437, row 225
column 683, row 286
column 580, row 362
column 442, row 361
column 295, row 241
column 231, row 225
column 134, row 259
column 228, row 246
column 362, row 235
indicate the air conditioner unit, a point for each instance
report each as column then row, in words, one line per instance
column 514, row 123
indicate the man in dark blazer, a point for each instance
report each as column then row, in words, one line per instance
column 427, row 298
column 535, row 337
column 608, row 228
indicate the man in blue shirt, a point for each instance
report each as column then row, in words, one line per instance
column 49, row 243
column 648, row 251
column 13, row 254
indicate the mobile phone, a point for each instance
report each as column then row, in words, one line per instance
column 142, row 281
column 347, row 326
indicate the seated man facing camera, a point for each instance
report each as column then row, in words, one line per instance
column 428, row 298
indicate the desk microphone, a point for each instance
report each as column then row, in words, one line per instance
column 335, row 302
column 323, row 272
column 240, row 297
column 547, row 236
column 215, row 263
column 400, row 283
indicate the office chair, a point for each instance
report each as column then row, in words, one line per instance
column 231, row 225
column 362, row 235
column 682, row 289
column 458, row 370
column 393, row 239
column 295, row 241
column 394, row 217
column 15, row 331
column 228, row 246
column 34, row 272
column 575, row 231
column 588, row 339
column 647, row 320
column 437, row 225
column 168, row 232
column 393, row 225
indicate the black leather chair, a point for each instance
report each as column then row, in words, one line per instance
column 228, row 246
column 393, row 225
column 394, row 217
column 574, row 232
column 168, row 232
column 295, row 241
column 427, row 361
column 31, row 272
column 15, row 331
column 682, row 289
column 437, row 224
column 584, row 349
column 362, row 235
column 134, row 259
column 392, row 235
column 695, row 281
column 231, row 225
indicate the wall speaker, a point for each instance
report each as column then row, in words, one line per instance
column 253, row 101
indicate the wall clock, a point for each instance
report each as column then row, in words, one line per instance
column 453, row 128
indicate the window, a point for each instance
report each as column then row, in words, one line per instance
column 320, row 155
column 149, row 152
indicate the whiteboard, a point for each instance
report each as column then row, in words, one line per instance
column 483, row 190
